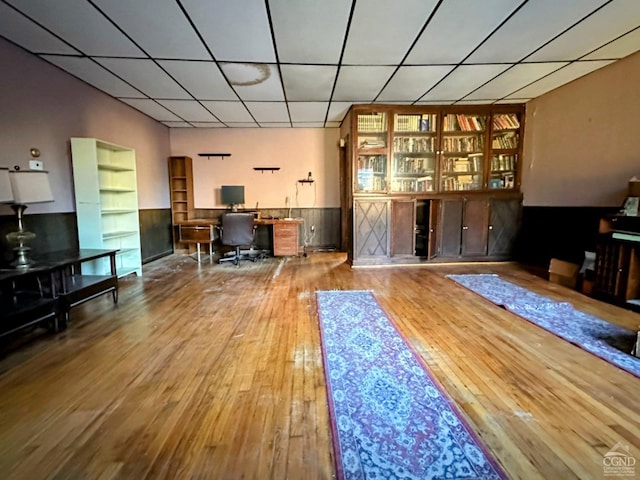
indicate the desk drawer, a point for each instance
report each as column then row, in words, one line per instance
column 282, row 230
column 195, row 233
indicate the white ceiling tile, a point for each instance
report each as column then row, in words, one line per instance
column 514, row 100
column 308, row 82
column 151, row 108
column 410, row 83
column 242, row 124
column 80, row 24
column 332, row 124
column 308, row 124
column 600, row 28
column 275, row 124
column 146, row 76
column 190, row 110
column 93, row 74
column 431, row 48
column 474, row 102
column 16, row 27
column 229, row 111
column 268, row 111
column 308, row 111
column 160, row 28
column 558, row 78
column 434, row 102
column 323, row 24
column 462, row 80
column 361, row 84
column 267, row 85
column 337, row 111
column 535, row 23
column 235, row 31
column 620, row 48
column 203, row 80
column 513, row 79
column 178, row 124
column 208, row 124
column 382, row 32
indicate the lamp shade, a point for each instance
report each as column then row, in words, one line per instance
column 30, row 186
column 6, row 192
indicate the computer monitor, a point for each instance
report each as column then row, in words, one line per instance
column 232, row 195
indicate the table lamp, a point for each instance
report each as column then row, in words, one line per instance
column 28, row 186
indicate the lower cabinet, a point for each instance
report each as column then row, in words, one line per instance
column 410, row 230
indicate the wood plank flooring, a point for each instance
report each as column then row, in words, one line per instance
column 215, row 372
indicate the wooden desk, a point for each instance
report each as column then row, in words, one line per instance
column 286, row 239
column 197, row 231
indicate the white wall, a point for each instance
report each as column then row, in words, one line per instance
column 297, row 151
column 41, row 106
column 581, row 140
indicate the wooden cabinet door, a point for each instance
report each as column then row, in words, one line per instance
column 504, row 223
column 434, row 207
column 450, row 227
column 403, row 227
column 371, row 220
column 475, row 228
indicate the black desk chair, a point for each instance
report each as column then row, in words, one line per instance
column 237, row 230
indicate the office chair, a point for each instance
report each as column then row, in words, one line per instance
column 237, row 230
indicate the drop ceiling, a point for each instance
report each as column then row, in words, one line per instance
column 302, row 63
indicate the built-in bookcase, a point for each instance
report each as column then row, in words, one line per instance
column 106, row 196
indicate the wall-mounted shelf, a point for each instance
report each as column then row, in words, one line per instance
column 268, row 169
column 309, row 179
column 209, row 155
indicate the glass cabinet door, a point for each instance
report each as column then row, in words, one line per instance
column 371, row 158
column 505, row 145
column 462, row 157
column 413, row 166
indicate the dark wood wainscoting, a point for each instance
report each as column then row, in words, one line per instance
column 155, row 233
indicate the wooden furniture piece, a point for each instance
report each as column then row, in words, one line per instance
column 286, row 235
column 106, row 198
column 430, row 184
column 197, row 232
column 56, row 283
column 181, row 193
column 617, row 266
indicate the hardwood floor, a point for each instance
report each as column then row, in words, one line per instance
column 215, row 372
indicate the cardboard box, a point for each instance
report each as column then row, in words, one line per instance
column 563, row 273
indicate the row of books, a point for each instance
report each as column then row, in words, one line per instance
column 503, row 163
column 470, row 164
column 502, row 181
column 418, row 185
column 413, row 165
column 505, row 121
column 463, row 144
column 460, row 122
column 413, row 144
column 505, row 140
column 375, row 163
column 414, row 123
column 372, row 122
column 369, row 181
column 461, row 182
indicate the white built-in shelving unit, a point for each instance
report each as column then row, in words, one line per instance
column 107, row 203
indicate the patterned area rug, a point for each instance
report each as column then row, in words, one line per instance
column 390, row 419
column 606, row 340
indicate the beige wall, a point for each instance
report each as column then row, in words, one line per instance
column 582, row 140
column 297, row 151
column 42, row 106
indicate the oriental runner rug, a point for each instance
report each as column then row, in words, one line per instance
column 390, row 419
column 599, row 337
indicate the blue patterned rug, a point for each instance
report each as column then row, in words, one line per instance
column 390, row 419
column 606, row 340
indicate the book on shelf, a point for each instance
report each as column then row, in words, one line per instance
column 504, row 121
column 372, row 122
